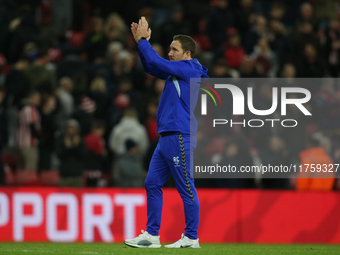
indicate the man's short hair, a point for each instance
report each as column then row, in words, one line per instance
column 188, row 44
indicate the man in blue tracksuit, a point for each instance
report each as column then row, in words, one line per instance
column 174, row 152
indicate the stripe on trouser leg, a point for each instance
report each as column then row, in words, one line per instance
column 185, row 167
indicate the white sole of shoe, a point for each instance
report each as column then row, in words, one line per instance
column 143, row 246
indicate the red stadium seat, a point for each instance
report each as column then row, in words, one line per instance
column 49, row 177
column 29, row 178
column 11, row 159
column 9, row 178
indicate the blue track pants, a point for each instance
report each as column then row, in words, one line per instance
column 173, row 155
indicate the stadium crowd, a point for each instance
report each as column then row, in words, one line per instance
column 75, row 101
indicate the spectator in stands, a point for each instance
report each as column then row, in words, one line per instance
column 113, row 50
column 277, row 12
column 151, row 122
column 136, row 101
column 126, row 96
column 304, row 35
column 3, row 133
column 231, row 157
column 243, row 16
column 55, row 45
column 275, row 155
column 202, row 55
column 288, row 71
column 124, row 68
column 234, row 54
column 311, row 65
column 258, row 30
column 40, row 76
column 104, row 78
column 249, row 69
column 265, row 58
column 336, row 115
column 150, row 79
column 95, row 42
column 176, row 25
column 85, row 115
column 128, row 128
column 31, row 51
column 48, row 129
column 162, row 11
column 77, row 69
column 16, row 83
column 220, row 18
column 158, row 88
column 95, row 153
column 279, row 42
column 98, row 93
column 28, row 131
column 3, row 120
column 316, row 153
column 332, row 47
column 119, row 104
column 325, row 105
column 64, row 95
column 325, row 11
column 336, row 157
column 307, row 15
column 62, row 15
column 220, row 69
column 262, row 100
column 17, row 88
column 22, row 30
column 123, row 64
column 71, row 152
column 296, row 141
column 116, row 29
column 128, row 170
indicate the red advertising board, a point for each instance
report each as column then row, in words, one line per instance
column 113, row 214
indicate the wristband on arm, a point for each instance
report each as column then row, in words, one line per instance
column 142, row 38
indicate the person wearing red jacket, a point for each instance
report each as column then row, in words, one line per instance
column 234, row 54
column 95, row 153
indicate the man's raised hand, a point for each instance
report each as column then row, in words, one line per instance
column 143, row 24
column 143, row 29
column 134, row 27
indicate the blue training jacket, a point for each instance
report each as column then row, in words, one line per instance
column 177, row 104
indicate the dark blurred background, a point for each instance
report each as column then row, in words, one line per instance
column 77, row 109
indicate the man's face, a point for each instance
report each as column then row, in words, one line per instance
column 176, row 52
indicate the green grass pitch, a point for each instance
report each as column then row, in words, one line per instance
column 207, row 249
